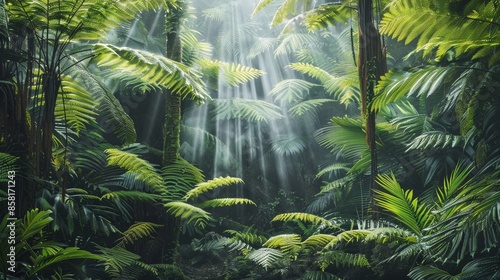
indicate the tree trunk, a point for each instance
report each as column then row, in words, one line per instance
column 172, row 126
column 371, row 66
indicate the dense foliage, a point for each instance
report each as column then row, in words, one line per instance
column 349, row 139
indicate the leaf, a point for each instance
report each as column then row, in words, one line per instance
column 137, row 231
column 266, row 257
column 223, row 202
column 210, row 185
column 229, row 74
column 304, row 217
column 246, row 109
column 190, row 213
column 288, row 145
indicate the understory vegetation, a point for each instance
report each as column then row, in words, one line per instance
column 186, row 139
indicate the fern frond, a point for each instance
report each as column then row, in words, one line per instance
column 147, row 70
column 229, row 74
column 248, row 236
column 332, row 168
column 131, row 196
column 210, row 185
column 266, row 257
column 287, row 145
column 341, row 259
column 75, row 105
column 289, row 244
column 345, row 136
column 189, row 213
column 436, row 140
column 179, row 178
column 291, row 91
column 143, row 170
column 8, row 163
column 307, row 106
column 223, row 202
column 304, row 217
column 247, row 109
column 419, row 81
column 261, row 45
column 137, row 231
column 319, row 241
column 327, row 15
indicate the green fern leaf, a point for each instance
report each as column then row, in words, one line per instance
column 189, row 213
column 289, row 244
column 266, row 257
column 137, row 231
column 229, row 74
column 307, row 106
column 210, row 185
column 247, row 109
column 341, row 259
column 291, row 91
column 179, row 178
column 223, row 202
column 435, row 139
column 131, row 196
column 143, row 170
column 287, row 145
column 149, row 70
column 319, row 240
column 304, row 217
column 327, row 15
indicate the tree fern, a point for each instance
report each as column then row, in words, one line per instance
column 137, row 231
column 210, row 185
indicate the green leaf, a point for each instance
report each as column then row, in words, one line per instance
column 210, row 185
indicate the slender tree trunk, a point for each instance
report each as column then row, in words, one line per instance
column 172, row 127
column 372, row 64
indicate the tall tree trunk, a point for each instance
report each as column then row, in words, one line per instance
column 172, row 126
column 372, row 64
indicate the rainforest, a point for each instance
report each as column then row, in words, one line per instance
column 257, row 139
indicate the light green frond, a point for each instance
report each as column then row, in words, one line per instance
column 354, row 235
column 401, row 204
column 266, row 257
column 289, row 244
column 48, row 258
column 179, row 178
column 319, row 241
column 145, row 70
column 291, row 91
column 249, row 236
column 436, row 140
column 210, row 185
column 327, row 15
column 189, row 213
column 229, row 74
column 420, row 81
column 332, row 168
column 307, row 106
column 33, row 222
column 390, row 234
column 247, row 109
column 223, row 202
column 193, row 50
column 143, row 170
column 291, row 42
column 345, row 136
column 137, row 231
column 304, row 217
column 75, row 105
column 131, row 196
column 475, row 33
column 287, row 145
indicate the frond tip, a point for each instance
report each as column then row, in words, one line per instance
column 207, row 186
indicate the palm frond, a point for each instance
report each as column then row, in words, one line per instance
column 33, row 222
column 332, row 168
column 143, row 170
column 145, row 70
column 137, row 231
column 401, row 204
column 210, row 185
column 189, row 213
column 345, row 136
column 247, row 109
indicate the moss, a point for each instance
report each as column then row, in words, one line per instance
column 481, row 155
